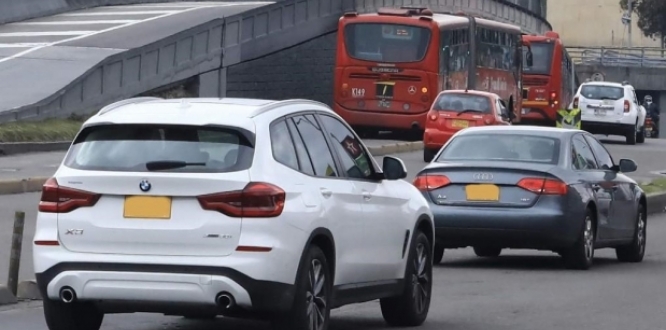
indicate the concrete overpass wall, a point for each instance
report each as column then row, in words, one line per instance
column 279, row 51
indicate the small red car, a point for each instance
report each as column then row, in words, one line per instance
column 454, row 110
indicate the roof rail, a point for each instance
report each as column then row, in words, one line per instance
column 134, row 100
column 277, row 104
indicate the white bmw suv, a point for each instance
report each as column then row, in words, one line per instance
column 235, row 207
column 610, row 108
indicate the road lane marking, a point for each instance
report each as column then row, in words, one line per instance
column 124, row 13
column 117, row 27
column 112, row 21
column 23, row 45
column 45, row 34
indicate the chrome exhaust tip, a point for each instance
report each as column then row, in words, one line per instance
column 225, row 300
column 67, row 295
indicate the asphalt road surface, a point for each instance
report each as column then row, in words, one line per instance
column 517, row 291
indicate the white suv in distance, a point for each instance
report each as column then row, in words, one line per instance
column 610, row 108
column 235, row 207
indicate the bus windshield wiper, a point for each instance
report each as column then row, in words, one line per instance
column 161, row 165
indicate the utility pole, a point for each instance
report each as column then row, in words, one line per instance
column 630, row 10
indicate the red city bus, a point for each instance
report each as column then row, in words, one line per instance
column 549, row 84
column 391, row 65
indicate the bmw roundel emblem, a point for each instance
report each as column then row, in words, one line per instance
column 144, row 185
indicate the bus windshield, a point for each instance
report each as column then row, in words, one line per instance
column 384, row 42
column 542, row 58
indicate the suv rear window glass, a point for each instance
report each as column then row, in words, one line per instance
column 602, row 92
column 502, row 147
column 132, row 148
column 462, row 102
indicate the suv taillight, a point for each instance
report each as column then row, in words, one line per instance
column 575, row 103
column 256, row 200
column 57, row 199
column 627, row 106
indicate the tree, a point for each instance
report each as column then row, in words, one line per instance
column 651, row 17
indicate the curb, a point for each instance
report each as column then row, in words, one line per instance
column 14, row 148
column 21, row 186
column 6, row 297
column 28, row 290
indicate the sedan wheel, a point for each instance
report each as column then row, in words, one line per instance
column 635, row 251
column 581, row 254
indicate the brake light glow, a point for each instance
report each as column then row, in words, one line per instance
column 575, row 103
column 431, row 182
column 627, row 106
column 543, row 186
column 433, row 115
column 488, row 119
column 256, row 200
column 57, row 199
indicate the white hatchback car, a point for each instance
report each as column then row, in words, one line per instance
column 235, row 207
column 610, row 108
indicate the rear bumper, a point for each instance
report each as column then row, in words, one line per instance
column 530, row 228
column 435, row 139
column 389, row 120
column 533, row 114
column 607, row 128
column 152, row 288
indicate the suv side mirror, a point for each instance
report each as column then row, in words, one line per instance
column 627, row 166
column 394, row 168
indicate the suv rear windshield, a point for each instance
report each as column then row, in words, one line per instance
column 130, row 148
column 394, row 43
column 462, row 102
column 596, row 92
column 502, row 147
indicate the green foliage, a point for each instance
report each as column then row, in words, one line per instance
column 651, row 16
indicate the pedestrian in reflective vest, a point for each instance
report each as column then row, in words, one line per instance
column 568, row 118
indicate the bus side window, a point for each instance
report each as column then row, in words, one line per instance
column 445, row 52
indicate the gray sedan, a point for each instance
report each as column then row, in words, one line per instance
column 541, row 188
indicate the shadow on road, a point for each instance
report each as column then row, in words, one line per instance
column 539, row 263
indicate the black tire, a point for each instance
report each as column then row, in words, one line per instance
column 640, row 135
column 631, row 136
column 428, row 154
column 411, row 308
column 581, row 254
column 313, row 291
column 72, row 316
column 635, row 251
column 487, row 251
column 439, row 254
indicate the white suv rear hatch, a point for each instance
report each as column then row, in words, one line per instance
column 603, row 102
column 138, row 190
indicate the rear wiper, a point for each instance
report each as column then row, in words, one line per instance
column 160, row 165
column 467, row 110
column 607, row 98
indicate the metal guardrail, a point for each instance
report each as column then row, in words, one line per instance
column 644, row 57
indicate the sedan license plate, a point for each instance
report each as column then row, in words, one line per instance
column 482, row 192
column 147, row 207
column 460, row 123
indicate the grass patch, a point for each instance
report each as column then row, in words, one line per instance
column 50, row 130
column 655, row 186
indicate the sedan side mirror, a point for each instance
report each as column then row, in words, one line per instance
column 394, row 168
column 627, row 166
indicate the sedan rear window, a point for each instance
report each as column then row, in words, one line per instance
column 462, row 102
column 502, row 147
column 167, row 148
column 595, row 92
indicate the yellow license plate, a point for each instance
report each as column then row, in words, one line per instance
column 482, row 192
column 147, row 207
column 460, row 123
